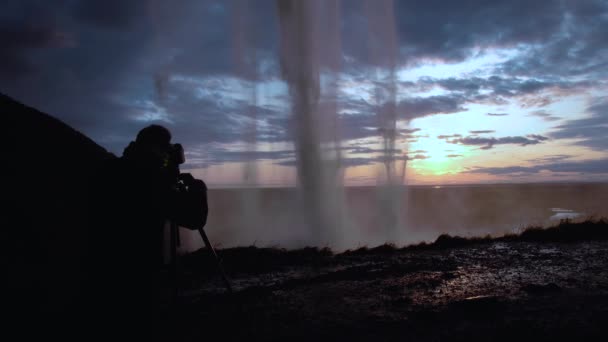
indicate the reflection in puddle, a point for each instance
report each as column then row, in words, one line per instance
column 562, row 214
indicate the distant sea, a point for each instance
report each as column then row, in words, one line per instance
column 274, row 217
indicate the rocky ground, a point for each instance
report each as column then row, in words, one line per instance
column 501, row 289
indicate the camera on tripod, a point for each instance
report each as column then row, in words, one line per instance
column 191, row 210
column 185, row 183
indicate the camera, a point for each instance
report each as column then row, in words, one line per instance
column 176, row 154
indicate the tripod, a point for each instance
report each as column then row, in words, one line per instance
column 182, row 182
column 175, row 242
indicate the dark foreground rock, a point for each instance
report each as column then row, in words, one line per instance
column 491, row 291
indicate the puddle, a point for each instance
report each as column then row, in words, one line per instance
column 562, row 214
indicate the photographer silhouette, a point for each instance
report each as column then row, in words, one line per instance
column 132, row 197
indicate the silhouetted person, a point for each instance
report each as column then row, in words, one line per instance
column 132, row 197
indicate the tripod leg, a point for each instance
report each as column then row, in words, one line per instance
column 174, row 236
column 217, row 259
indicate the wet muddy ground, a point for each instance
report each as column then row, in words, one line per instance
column 489, row 291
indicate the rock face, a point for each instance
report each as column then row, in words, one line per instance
column 44, row 193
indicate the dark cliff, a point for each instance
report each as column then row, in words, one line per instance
column 44, row 194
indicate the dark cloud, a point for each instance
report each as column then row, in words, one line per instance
column 597, row 166
column 537, row 137
column 93, row 63
column 590, row 131
column 453, row 31
column 110, row 14
column 366, row 150
column 217, row 156
column 26, row 29
column 454, row 155
column 422, row 106
column 555, row 37
column 497, row 89
column 497, row 114
column 409, row 130
column 385, row 158
column 200, row 119
column 482, row 131
column 356, row 126
column 578, row 47
column 416, row 156
column 488, row 143
column 33, row 37
column 362, row 161
column 449, row 136
column 200, row 33
column 362, row 121
column 352, row 162
column 545, row 116
column 550, row 159
column 344, row 162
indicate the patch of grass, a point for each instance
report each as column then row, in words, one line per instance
column 255, row 259
column 568, row 231
column 565, row 231
column 387, row 248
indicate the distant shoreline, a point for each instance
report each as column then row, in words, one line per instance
column 561, row 183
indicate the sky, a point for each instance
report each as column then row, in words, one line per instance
column 486, row 91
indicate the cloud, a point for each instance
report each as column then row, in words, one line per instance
column 110, row 67
column 344, row 162
column 537, row 137
column 201, row 118
column 417, row 107
column 488, row 143
column 453, row 33
column 497, row 89
column 550, row 159
column 110, row 14
column 454, row 155
column 545, row 116
column 482, row 131
column 577, row 47
column 99, row 64
column 24, row 34
column 205, row 38
column 352, row 162
column 361, row 120
column 417, row 156
column 448, row 136
column 590, row 131
column 216, row 156
column 366, row 150
column 409, row 130
column 357, row 126
column 595, row 166
column 362, row 161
